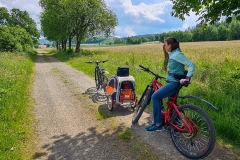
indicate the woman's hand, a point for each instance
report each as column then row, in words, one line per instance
column 185, row 82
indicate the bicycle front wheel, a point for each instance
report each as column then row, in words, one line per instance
column 141, row 105
column 110, row 103
column 97, row 78
column 200, row 142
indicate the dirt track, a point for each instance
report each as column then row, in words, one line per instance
column 66, row 104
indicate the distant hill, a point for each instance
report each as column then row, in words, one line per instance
column 98, row 40
column 44, row 41
column 88, row 41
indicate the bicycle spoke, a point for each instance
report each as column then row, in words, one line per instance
column 200, row 142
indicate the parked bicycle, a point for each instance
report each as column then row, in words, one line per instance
column 100, row 75
column 191, row 129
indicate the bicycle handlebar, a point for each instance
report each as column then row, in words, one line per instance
column 97, row 62
column 149, row 71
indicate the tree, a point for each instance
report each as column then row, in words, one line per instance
column 209, row 11
column 19, row 18
column 23, row 19
column 14, row 39
column 4, row 16
column 222, row 33
column 210, row 33
column 54, row 24
column 198, row 34
column 118, row 41
column 81, row 19
column 234, row 28
column 151, row 38
column 144, row 39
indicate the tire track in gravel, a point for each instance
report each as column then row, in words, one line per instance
column 65, row 109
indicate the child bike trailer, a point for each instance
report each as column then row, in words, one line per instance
column 121, row 89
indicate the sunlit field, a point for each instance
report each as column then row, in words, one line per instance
column 216, row 78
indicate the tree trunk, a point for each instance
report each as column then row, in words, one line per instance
column 77, row 50
column 64, row 43
column 69, row 43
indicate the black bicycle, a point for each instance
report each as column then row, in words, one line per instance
column 101, row 78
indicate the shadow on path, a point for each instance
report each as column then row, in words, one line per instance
column 84, row 145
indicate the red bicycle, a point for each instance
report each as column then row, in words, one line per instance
column 191, row 129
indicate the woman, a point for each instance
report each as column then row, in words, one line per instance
column 176, row 67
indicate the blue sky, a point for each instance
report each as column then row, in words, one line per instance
column 135, row 17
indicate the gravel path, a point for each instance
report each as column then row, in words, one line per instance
column 66, row 105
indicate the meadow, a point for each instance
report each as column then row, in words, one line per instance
column 216, row 78
column 16, row 116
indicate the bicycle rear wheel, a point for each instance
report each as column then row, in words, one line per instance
column 141, row 105
column 200, row 143
column 104, row 82
column 97, row 78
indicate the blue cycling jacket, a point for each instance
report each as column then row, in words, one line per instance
column 176, row 65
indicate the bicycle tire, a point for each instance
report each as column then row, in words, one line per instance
column 104, row 80
column 141, row 105
column 198, row 144
column 97, row 78
column 110, row 103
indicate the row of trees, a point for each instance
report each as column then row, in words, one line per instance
column 221, row 31
column 18, row 31
column 65, row 21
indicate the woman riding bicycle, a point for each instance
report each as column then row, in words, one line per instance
column 176, row 67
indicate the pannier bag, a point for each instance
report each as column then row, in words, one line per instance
column 123, row 71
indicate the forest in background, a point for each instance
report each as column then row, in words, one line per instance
column 220, row 31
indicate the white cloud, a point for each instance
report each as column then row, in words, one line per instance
column 31, row 7
column 136, row 17
column 129, row 31
column 143, row 11
column 125, row 31
column 3, row 5
column 190, row 21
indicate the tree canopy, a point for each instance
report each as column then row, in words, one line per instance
column 65, row 20
column 14, row 39
column 18, row 30
column 22, row 18
column 209, row 11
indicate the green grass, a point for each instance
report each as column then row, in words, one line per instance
column 16, row 118
column 126, row 135
column 135, row 146
column 216, row 78
column 103, row 114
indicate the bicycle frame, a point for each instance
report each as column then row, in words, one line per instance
column 166, row 114
column 100, row 74
column 97, row 66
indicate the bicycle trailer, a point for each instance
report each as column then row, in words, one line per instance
column 121, row 89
